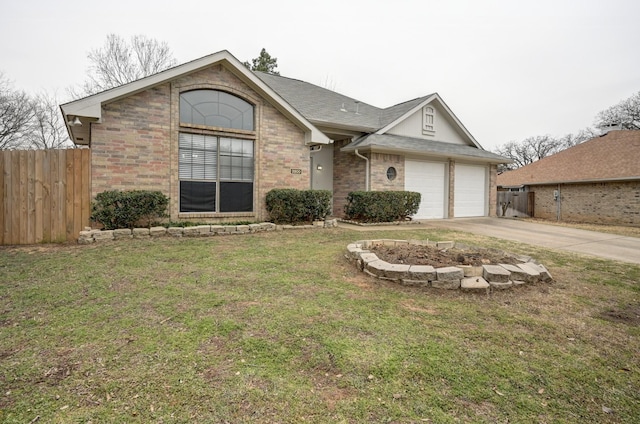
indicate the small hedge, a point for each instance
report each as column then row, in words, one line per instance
column 381, row 206
column 291, row 206
column 124, row 209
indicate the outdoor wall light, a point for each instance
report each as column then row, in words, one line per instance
column 319, row 167
column 76, row 122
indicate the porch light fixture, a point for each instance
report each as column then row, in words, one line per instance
column 319, row 167
column 76, row 122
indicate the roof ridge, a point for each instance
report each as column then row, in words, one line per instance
column 317, row 86
column 409, row 101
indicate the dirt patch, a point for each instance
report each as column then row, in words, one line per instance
column 429, row 255
column 629, row 314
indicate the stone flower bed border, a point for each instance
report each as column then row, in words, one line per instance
column 89, row 236
column 465, row 277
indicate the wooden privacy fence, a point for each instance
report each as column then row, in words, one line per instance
column 44, row 195
column 516, row 203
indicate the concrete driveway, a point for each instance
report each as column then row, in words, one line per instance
column 609, row 246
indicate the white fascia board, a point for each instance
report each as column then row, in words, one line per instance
column 419, row 106
column 91, row 106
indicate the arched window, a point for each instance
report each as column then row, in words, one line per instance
column 216, row 172
column 215, row 108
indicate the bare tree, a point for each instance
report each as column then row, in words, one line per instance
column 528, row 150
column 571, row 140
column 46, row 129
column 16, row 112
column 626, row 114
column 119, row 62
column 532, row 149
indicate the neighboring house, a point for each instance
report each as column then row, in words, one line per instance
column 597, row 181
column 216, row 137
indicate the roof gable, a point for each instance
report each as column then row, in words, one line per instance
column 611, row 157
column 415, row 106
column 90, row 108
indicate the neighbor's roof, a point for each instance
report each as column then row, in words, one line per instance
column 612, row 157
column 408, row 145
column 89, row 109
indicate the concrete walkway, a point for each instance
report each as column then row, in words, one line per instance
column 608, row 246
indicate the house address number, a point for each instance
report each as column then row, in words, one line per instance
column 296, row 171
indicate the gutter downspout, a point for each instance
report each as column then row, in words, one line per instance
column 366, row 173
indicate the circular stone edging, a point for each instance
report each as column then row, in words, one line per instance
column 465, row 277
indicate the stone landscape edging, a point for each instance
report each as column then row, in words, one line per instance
column 465, row 277
column 89, row 235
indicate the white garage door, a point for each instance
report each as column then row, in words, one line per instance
column 428, row 179
column 470, row 195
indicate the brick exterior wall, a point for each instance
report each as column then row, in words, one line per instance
column 601, row 203
column 348, row 175
column 136, row 144
column 380, row 162
column 130, row 149
column 452, row 190
column 493, row 190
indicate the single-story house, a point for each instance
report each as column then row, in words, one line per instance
column 597, row 181
column 216, row 137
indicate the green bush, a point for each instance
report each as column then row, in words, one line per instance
column 290, row 206
column 381, row 206
column 124, row 209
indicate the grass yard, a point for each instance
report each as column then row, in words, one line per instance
column 280, row 328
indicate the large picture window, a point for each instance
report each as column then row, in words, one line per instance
column 215, row 172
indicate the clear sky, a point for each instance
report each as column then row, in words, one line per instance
column 507, row 69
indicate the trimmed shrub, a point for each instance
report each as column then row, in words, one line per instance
column 124, row 209
column 381, row 206
column 291, row 206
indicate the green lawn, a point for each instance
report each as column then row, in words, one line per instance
column 279, row 327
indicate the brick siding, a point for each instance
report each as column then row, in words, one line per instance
column 379, row 164
column 601, row 203
column 493, row 190
column 348, row 175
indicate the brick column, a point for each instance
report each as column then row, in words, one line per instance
column 452, row 186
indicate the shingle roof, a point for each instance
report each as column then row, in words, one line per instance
column 400, row 144
column 614, row 156
column 320, row 105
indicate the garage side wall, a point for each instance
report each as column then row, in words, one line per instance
column 380, row 163
column 600, row 203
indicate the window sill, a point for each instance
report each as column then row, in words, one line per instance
column 216, row 215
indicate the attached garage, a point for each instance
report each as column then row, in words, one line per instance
column 428, row 179
column 470, row 191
